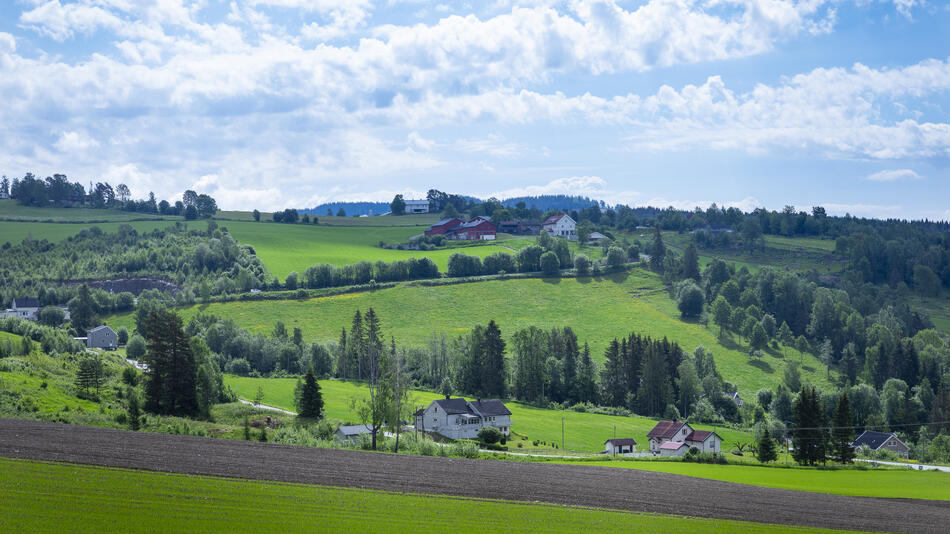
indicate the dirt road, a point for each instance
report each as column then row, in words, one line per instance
column 602, row 487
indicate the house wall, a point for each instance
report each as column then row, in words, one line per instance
column 892, row 444
column 711, row 444
column 679, row 452
column 102, row 339
column 434, row 419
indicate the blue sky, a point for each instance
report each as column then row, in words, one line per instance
column 289, row 103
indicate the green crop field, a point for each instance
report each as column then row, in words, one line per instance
column 876, row 482
column 598, row 309
column 50, row 497
column 584, row 432
column 286, row 248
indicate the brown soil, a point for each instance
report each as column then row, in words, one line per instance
column 578, row 485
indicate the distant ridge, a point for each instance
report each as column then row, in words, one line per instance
column 351, row 208
column 541, row 202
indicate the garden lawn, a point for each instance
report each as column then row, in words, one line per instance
column 876, row 482
column 51, row 497
column 294, row 247
column 598, row 309
column 584, row 432
column 15, row 232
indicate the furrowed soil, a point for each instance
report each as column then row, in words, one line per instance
column 600, row 487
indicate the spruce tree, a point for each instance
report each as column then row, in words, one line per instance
column 171, row 385
column 843, row 434
column 310, row 405
column 691, row 263
column 83, row 312
column 586, row 381
column 766, row 450
column 493, row 363
column 809, row 437
column 133, row 410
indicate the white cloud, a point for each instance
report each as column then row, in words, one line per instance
column 75, row 142
column 590, row 186
column 893, row 175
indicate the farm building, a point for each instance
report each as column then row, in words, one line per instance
column 881, row 440
column 102, row 337
column 561, row 225
column 443, row 226
column 620, row 446
column 474, row 230
column 596, row 237
column 352, row 432
column 666, row 434
column 24, row 308
column 519, row 227
column 417, row 206
column 461, row 419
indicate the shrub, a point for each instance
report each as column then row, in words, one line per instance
column 465, row 450
column 582, row 264
column 239, row 366
column 136, row 347
column 123, row 334
column 489, row 435
column 550, row 264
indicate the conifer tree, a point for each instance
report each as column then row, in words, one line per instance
column 843, row 435
column 310, row 405
column 171, row 385
column 766, row 450
column 493, row 363
column 809, row 437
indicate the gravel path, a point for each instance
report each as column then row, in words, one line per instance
column 603, row 487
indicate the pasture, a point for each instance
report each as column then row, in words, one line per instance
column 871, row 482
column 294, row 247
column 583, row 432
column 15, row 232
column 598, row 309
column 12, row 210
column 48, row 497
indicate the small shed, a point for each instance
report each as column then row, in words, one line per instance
column 102, row 337
column 620, row 446
column 673, row 448
column 352, row 432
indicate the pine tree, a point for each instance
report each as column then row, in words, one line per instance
column 586, row 382
column 171, row 385
column 90, row 375
column 493, row 363
column 691, row 263
column 569, row 366
column 766, row 450
column 83, row 312
column 655, row 392
column 133, row 410
column 612, row 378
column 310, row 405
column 810, row 437
column 341, row 355
column 842, row 434
column 657, row 249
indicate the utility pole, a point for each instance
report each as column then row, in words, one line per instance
column 562, row 433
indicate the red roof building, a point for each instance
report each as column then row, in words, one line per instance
column 444, row 226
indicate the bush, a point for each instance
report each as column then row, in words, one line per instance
column 465, row 450
column 136, row 347
column 689, row 298
column 239, row 366
column 582, row 264
column 123, row 334
column 550, row 264
column 693, row 455
column 489, row 435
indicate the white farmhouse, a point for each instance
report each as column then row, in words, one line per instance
column 674, row 438
column 417, row 206
column 460, row 419
column 561, row 225
column 24, row 308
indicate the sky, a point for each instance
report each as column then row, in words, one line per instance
column 271, row 104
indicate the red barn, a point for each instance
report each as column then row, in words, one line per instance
column 442, row 227
column 477, row 228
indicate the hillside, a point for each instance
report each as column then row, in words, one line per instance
column 598, row 309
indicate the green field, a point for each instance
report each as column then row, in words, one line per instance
column 14, row 232
column 294, row 247
column 879, row 482
column 598, row 309
column 584, row 432
column 794, row 253
column 11, row 209
column 50, row 497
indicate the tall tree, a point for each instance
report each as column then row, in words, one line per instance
column 809, row 435
column 310, row 404
column 655, row 391
column 765, row 452
column 691, row 263
column 493, row 363
column 657, row 250
column 375, row 365
column 82, row 311
column 722, row 313
column 398, row 205
column 842, row 434
column 170, row 386
column 90, row 375
column 586, row 381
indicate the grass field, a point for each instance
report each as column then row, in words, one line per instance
column 11, row 209
column 598, row 309
column 584, row 432
column 286, row 248
column 888, row 483
column 48, row 497
column 794, row 253
column 15, row 232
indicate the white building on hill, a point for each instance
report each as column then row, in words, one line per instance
column 417, row 206
column 461, row 419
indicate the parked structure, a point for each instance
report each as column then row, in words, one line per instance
column 102, row 337
column 667, row 435
column 561, row 225
column 881, row 440
column 417, row 206
column 25, row 308
column 461, row 419
column 620, row 446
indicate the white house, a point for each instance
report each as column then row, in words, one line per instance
column 24, row 308
column 460, row 419
column 4, row 195
column 666, row 435
column 620, row 446
column 561, row 225
column 417, row 206
column 102, row 337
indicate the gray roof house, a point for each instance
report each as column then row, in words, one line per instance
column 461, row 419
column 881, row 440
column 24, row 308
column 620, row 446
column 102, row 337
column 352, row 432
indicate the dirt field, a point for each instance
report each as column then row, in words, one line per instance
column 602, row 487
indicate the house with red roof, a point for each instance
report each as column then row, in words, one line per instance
column 674, row 438
column 473, row 230
column 442, row 227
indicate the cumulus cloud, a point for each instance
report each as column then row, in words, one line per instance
column 893, row 175
column 74, row 142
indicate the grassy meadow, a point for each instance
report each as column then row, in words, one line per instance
column 583, row 432
column 47, row 497
column 598, row 309
column 873, row 482
column 294, row 247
